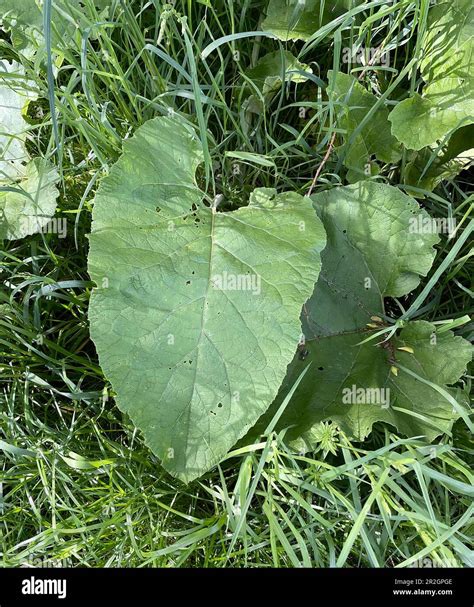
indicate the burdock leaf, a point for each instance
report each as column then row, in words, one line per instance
column 28, row 203
column 376, row 248
column 15, row 94
column 24, row 20
column 268, row 75
column 297, row 20
column 196, row 312
column 27, row 187
column 354, row 384
column 432, row 165
column 447, row 67
column 352, row 105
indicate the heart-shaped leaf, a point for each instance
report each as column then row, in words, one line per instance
column 196, row 313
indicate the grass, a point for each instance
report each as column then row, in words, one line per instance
column 87, row 492
column 77, row 484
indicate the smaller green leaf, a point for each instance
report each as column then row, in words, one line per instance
column 300, row 19
column 352, row 104
column 27, row 191
column 372, row 253
column 430, row 166
column 27, row 205
column 24, row 19
column 353, row 384
column 15, row 93
column 447, row 102
column 268, row 75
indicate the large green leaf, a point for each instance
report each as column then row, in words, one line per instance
column 196, row 312
column 300, row 19
column 371, row 253
column 352, row 105
column 447, row 67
